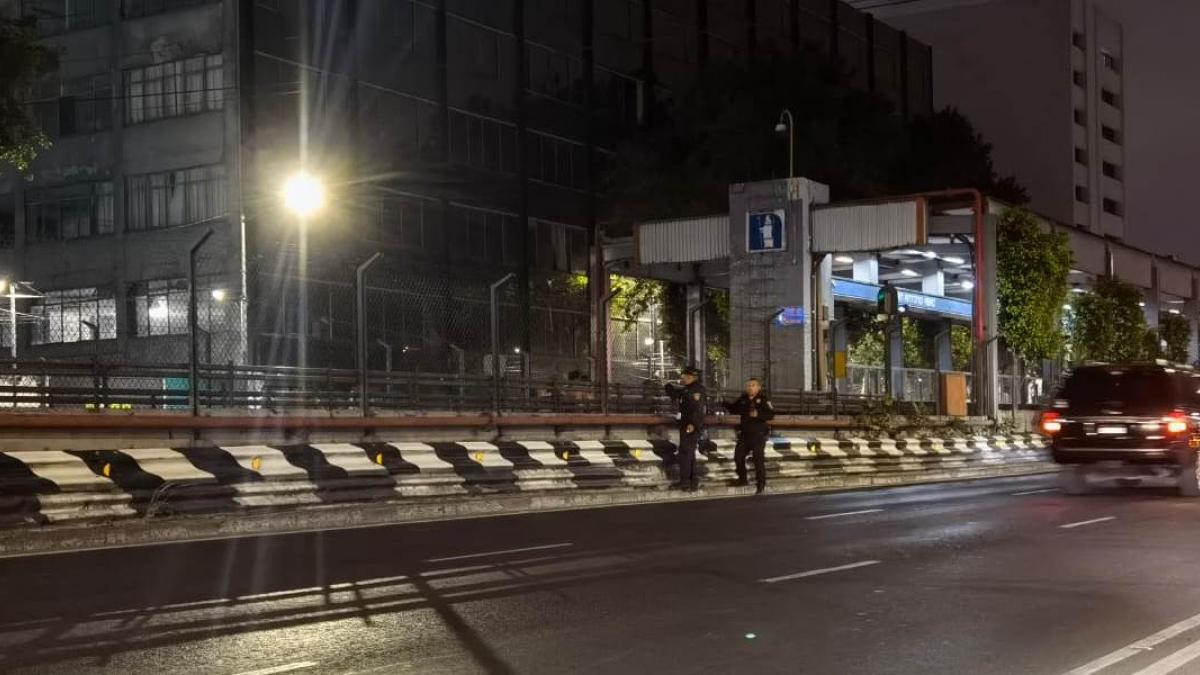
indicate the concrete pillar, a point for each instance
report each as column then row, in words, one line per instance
column 866, row 268
column 893, row 347
column 943, row 353
column 934, row 283
column 762, row 282
column 696, row 338
column 823, row 272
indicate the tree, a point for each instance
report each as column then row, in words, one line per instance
column 22, row 61
column 1032, row 270
column 718, row 131
column 1108, row 323
column 1177, row 333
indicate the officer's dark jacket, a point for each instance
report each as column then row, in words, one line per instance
column 693, row 404
column 759, row 424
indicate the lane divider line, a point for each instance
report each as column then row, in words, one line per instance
column 843, row 514
column 1034, row 492
column 1173, row 662
column 1081, row 523
column 1139, row 647
column 501, row 552
column 286, row 668
column 813, row 573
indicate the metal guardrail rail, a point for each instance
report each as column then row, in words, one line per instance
column 65, row 386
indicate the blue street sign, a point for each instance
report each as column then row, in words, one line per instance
column 791, row 316
column 765, row 231
column 848, row 289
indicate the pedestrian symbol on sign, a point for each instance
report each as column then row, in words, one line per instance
column 765, row 231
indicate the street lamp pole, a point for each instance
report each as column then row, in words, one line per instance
column 788, row 123
column 303, row 195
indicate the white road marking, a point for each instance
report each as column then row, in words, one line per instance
column 1034, row 492
column 286, row 668
column 503, row 552
column 1139, row 647
column 1173, row 662
column 813, row 573
column 843, row 514
column 1081, row 523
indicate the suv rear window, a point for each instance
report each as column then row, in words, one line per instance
column 1133, row 391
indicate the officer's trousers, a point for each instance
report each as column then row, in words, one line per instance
column 686, row 457
column 754, row 444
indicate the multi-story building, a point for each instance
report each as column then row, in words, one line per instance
column 461, row 138
column 1043, row 81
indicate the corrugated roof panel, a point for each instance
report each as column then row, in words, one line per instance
column 683, row 241
column 868, row 227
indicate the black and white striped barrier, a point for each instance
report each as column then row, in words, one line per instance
column 41, row 487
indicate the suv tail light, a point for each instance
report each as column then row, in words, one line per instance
column 1176, row 422
column 1051, row 422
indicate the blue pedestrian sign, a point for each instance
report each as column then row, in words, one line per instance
column 765, row 231
column 791, row 316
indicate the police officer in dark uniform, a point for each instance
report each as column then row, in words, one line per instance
column 689, row 395
column 756, row 412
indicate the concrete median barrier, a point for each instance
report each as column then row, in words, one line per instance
column 45, row 488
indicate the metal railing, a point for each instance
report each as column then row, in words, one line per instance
column 58, row 385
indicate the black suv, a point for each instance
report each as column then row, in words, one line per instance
column 1129, row 422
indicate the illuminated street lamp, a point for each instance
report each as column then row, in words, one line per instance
column 304, row 195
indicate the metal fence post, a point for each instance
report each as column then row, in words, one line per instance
column 360, row 294
column 496, row 340
column 193, row 326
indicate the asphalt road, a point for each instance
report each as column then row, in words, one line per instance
column 988, row 577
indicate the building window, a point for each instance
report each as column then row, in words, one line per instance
column 1111, row 170
column 619, row 98
column 1081, row 156
column 555, row 75
column 135, row 8
column 170, row 198
column 76, row 315
column 560, row 248
column 81, row 105
column 480, row 235
column 8, row 219
column 1079, row 78
column 1110, row 98
column 1113, row 206
column 175, row 88
column 1078, row 40
column 482, row 142
column 69, row 211
column 1081, row 194
column 487, row 55
column 1109, row 61
column 61, row 16
column 407, row 222
column 160, row 307
column 555, row 160
column 1110, row 134
column 1080, row 117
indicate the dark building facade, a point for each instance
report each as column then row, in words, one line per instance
column 463, row 139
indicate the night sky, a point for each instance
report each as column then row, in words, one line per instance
column 1162, row 124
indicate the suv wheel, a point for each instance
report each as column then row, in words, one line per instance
column 1189, row 476
column 1072, row 479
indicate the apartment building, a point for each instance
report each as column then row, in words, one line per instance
column 1043, row 81
column 463, row 139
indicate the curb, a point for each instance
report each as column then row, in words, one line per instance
column 168, row 530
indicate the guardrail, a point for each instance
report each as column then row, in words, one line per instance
column 62, row 386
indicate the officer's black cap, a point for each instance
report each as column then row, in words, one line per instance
column 692, row 370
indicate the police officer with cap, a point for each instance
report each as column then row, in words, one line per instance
column 692, row 400
column 755, row 411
